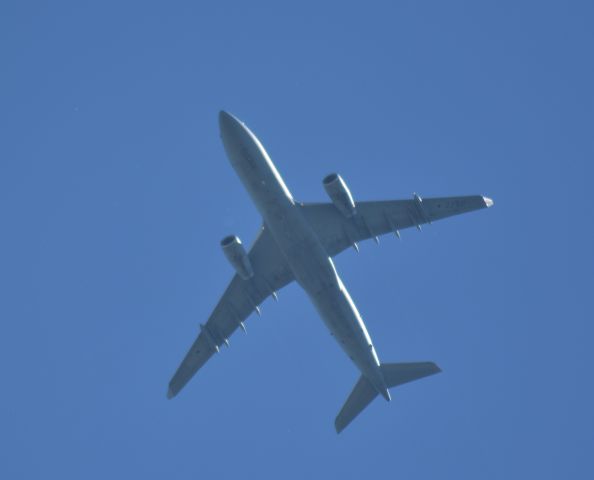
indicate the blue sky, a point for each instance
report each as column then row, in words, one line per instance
column 115, row 191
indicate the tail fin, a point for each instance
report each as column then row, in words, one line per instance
column 394, row 374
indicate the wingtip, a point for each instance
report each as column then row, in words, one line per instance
column 435, row 368
column 488, row 202
column 170, row 393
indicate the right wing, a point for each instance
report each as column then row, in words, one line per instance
column 336, row 232
column 241, row 298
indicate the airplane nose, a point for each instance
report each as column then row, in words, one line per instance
column 227, row 121
column 223, row 116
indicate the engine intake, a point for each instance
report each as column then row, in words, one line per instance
column 339, row 194
column 235, row 253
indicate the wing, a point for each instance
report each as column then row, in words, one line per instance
column 241, row 298
column 377, row 218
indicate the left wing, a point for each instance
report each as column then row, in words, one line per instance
column 241, row 298
column 336, row 232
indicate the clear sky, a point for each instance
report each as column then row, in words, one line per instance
column 115, row 191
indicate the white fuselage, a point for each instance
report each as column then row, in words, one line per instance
column 311, row 265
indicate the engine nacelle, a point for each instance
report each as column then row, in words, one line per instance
column 235, row 253
column 339, row 194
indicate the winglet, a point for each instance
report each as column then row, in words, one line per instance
column 488, row 202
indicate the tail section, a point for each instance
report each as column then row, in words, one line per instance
column 394, row 374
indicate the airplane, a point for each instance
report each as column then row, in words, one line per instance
column 297, row 242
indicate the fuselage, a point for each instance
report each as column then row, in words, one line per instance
column 312, row 267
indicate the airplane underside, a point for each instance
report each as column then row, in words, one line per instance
column 297, row 242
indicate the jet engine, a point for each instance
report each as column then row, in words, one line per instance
column 339, row 194
column 235, row 253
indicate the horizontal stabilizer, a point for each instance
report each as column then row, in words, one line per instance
column 398, row 373
column 360, row 397
column 364, row 392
